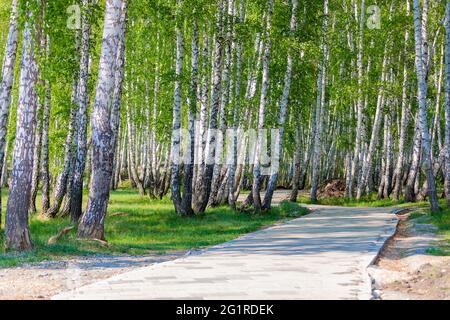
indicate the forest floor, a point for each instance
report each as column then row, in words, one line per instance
column 415, row 262
column 140, row 232
column 40, row 281
column 140, row 226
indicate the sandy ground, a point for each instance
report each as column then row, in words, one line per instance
column 404, row 270
column 43, row 280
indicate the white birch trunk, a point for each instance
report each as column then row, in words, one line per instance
column 321, row 82
column 404, row 123
column 367, row 165
column 92, row 221
column 447, row 103
column 282, row 113
column 422, row 99
column 83, row 102
column 176, row 125
column 233, row 166
column 7, row 80
column 262, row 112
column 16, row 227
column 204, row 188
column 358, row 143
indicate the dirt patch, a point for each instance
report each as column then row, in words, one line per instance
column 404, row 269
column 332, row 188
column 45, row 279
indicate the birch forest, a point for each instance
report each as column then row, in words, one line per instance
column 215, row 104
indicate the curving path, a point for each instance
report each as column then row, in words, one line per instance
column 323, row 255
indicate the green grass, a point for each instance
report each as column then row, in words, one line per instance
column 144, row 226
column 439, row 251
column 367, row 201
column 442, row 221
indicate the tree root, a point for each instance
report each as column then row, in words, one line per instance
column 61, row 233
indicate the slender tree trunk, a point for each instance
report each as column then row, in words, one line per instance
column 153, row 143
column 192, row 104
column 132, row 163
column 367, row 165
column 117, row 93
column 176, row 126
column 422, row 98
column 65, row 211
column 103, row 143
column 385, row 185
column 355, row 168
column 262, row 113
column 403, row 126
column 282, row 116
column 383, row 163
column 447, row 103
column 410, row 194
column 16, row 227
column 7, row 79
column 60, row 189
column 438, row 163
column 83, row 102
column 203, row 125
column 45, row 155
column 297, row 168
column 253, row 72
column 389, row 159
column 237, row 101
column 218, row 166
column 204, row 187
column 435, row 126
column 36, row 160
column 321, row 83
column 4, row 174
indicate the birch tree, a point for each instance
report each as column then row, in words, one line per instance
column 16, row 226
column 92, row 221
column 262, row 112
column 399, row 168
column 283, row 109
column 357, row 157
column 7, row 80
column 204, row 188
column 81, row 125
column 422, row 99
column 183, row 203
column 447, row 102
column 321, row 83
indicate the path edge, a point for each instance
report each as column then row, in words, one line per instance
column 375, row 287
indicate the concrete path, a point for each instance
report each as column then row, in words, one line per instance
column 323, row 255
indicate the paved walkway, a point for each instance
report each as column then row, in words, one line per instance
column 323, row 255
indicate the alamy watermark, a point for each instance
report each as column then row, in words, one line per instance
column 73, row 276
column 231, row 146
column 374, row 19
column 74, row 17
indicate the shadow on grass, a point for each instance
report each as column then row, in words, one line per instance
column 442, row 222
column 366, row 201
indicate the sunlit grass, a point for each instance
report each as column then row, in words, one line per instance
column 137, row 225
column 442, row 221
column 367, row 201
